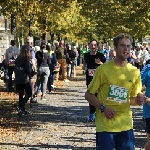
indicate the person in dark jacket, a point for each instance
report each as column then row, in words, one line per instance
column 52, row 68
column 71, row 72
column 43, row 72
column 22, row 78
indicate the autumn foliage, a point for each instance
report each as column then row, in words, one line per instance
column 81, row 20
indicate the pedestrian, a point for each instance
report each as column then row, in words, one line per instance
column 22, row 74
column 43, row 72
column 145, row 75
column 139, row 60
column 117, row 84
column 33, row 74
column 92, row 60
column 84, row 50
column 61, row 55
column 132, row 57
column 112, row 54
column 11, row 54
column 77, row 55
column 71, row 71
column 52, row 75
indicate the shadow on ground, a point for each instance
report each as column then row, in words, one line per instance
column 139, row 127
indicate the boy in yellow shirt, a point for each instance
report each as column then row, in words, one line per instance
column 118, row 85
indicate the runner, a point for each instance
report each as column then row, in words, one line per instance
column 92, row 60
column 145, row 74
column 115, row 82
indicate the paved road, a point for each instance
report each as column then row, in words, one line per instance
column 60, row 123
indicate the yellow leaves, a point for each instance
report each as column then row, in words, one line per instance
column 77, row 15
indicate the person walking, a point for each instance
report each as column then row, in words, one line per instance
column 118, row 85
column 77, row 55
column 22, row 78
column 43, row 72
column 33, row 63
column 11, row 54
column 61, row 55
column 53, row 59
column 71, row 71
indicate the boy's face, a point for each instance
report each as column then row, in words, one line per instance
column 123, row 49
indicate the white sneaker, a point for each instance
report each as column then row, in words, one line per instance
column 66, row 80
column 53, row 86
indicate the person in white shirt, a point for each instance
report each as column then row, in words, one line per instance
column 11, row 54
column 138, row 61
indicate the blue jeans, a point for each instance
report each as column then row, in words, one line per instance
column 51, row 80
column 42, row 78
column 71, row 70
column 38, row 88
column 119, row 140
column 76, row 61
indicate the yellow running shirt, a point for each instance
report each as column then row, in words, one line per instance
column 115, row 85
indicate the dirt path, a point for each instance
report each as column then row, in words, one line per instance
column 59, row 123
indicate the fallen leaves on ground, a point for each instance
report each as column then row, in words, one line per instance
column 9, row 121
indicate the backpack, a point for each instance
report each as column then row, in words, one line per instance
column 11, row 58
column 61, row 53
column 21, row 75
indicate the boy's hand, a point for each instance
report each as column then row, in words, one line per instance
column 141, row 98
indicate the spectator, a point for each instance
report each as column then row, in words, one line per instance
column 22, row 73
column 77, row 55
column 106, row 54
column 112, row 54
column 10, row 56
column 43, row 63
column 33, row 75
column 138, row 61
column 37, row 45
column 61, row 54
column 52, row 67
column 70, row 61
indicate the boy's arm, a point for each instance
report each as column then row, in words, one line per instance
column 136, row 96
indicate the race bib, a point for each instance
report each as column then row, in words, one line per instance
column 11, row 62
column 117, row 94
column 91, row 72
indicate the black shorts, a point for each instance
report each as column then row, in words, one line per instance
column 147, row 125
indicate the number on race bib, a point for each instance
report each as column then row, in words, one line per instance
column 118, row 94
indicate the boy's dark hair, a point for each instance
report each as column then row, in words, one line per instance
column 12, row 42
column 120, row 37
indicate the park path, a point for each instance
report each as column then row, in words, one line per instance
column 60, row 123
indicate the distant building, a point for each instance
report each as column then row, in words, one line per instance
column 4, row 25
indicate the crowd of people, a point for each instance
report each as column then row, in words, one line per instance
column 35, row 67
column 114, row 79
